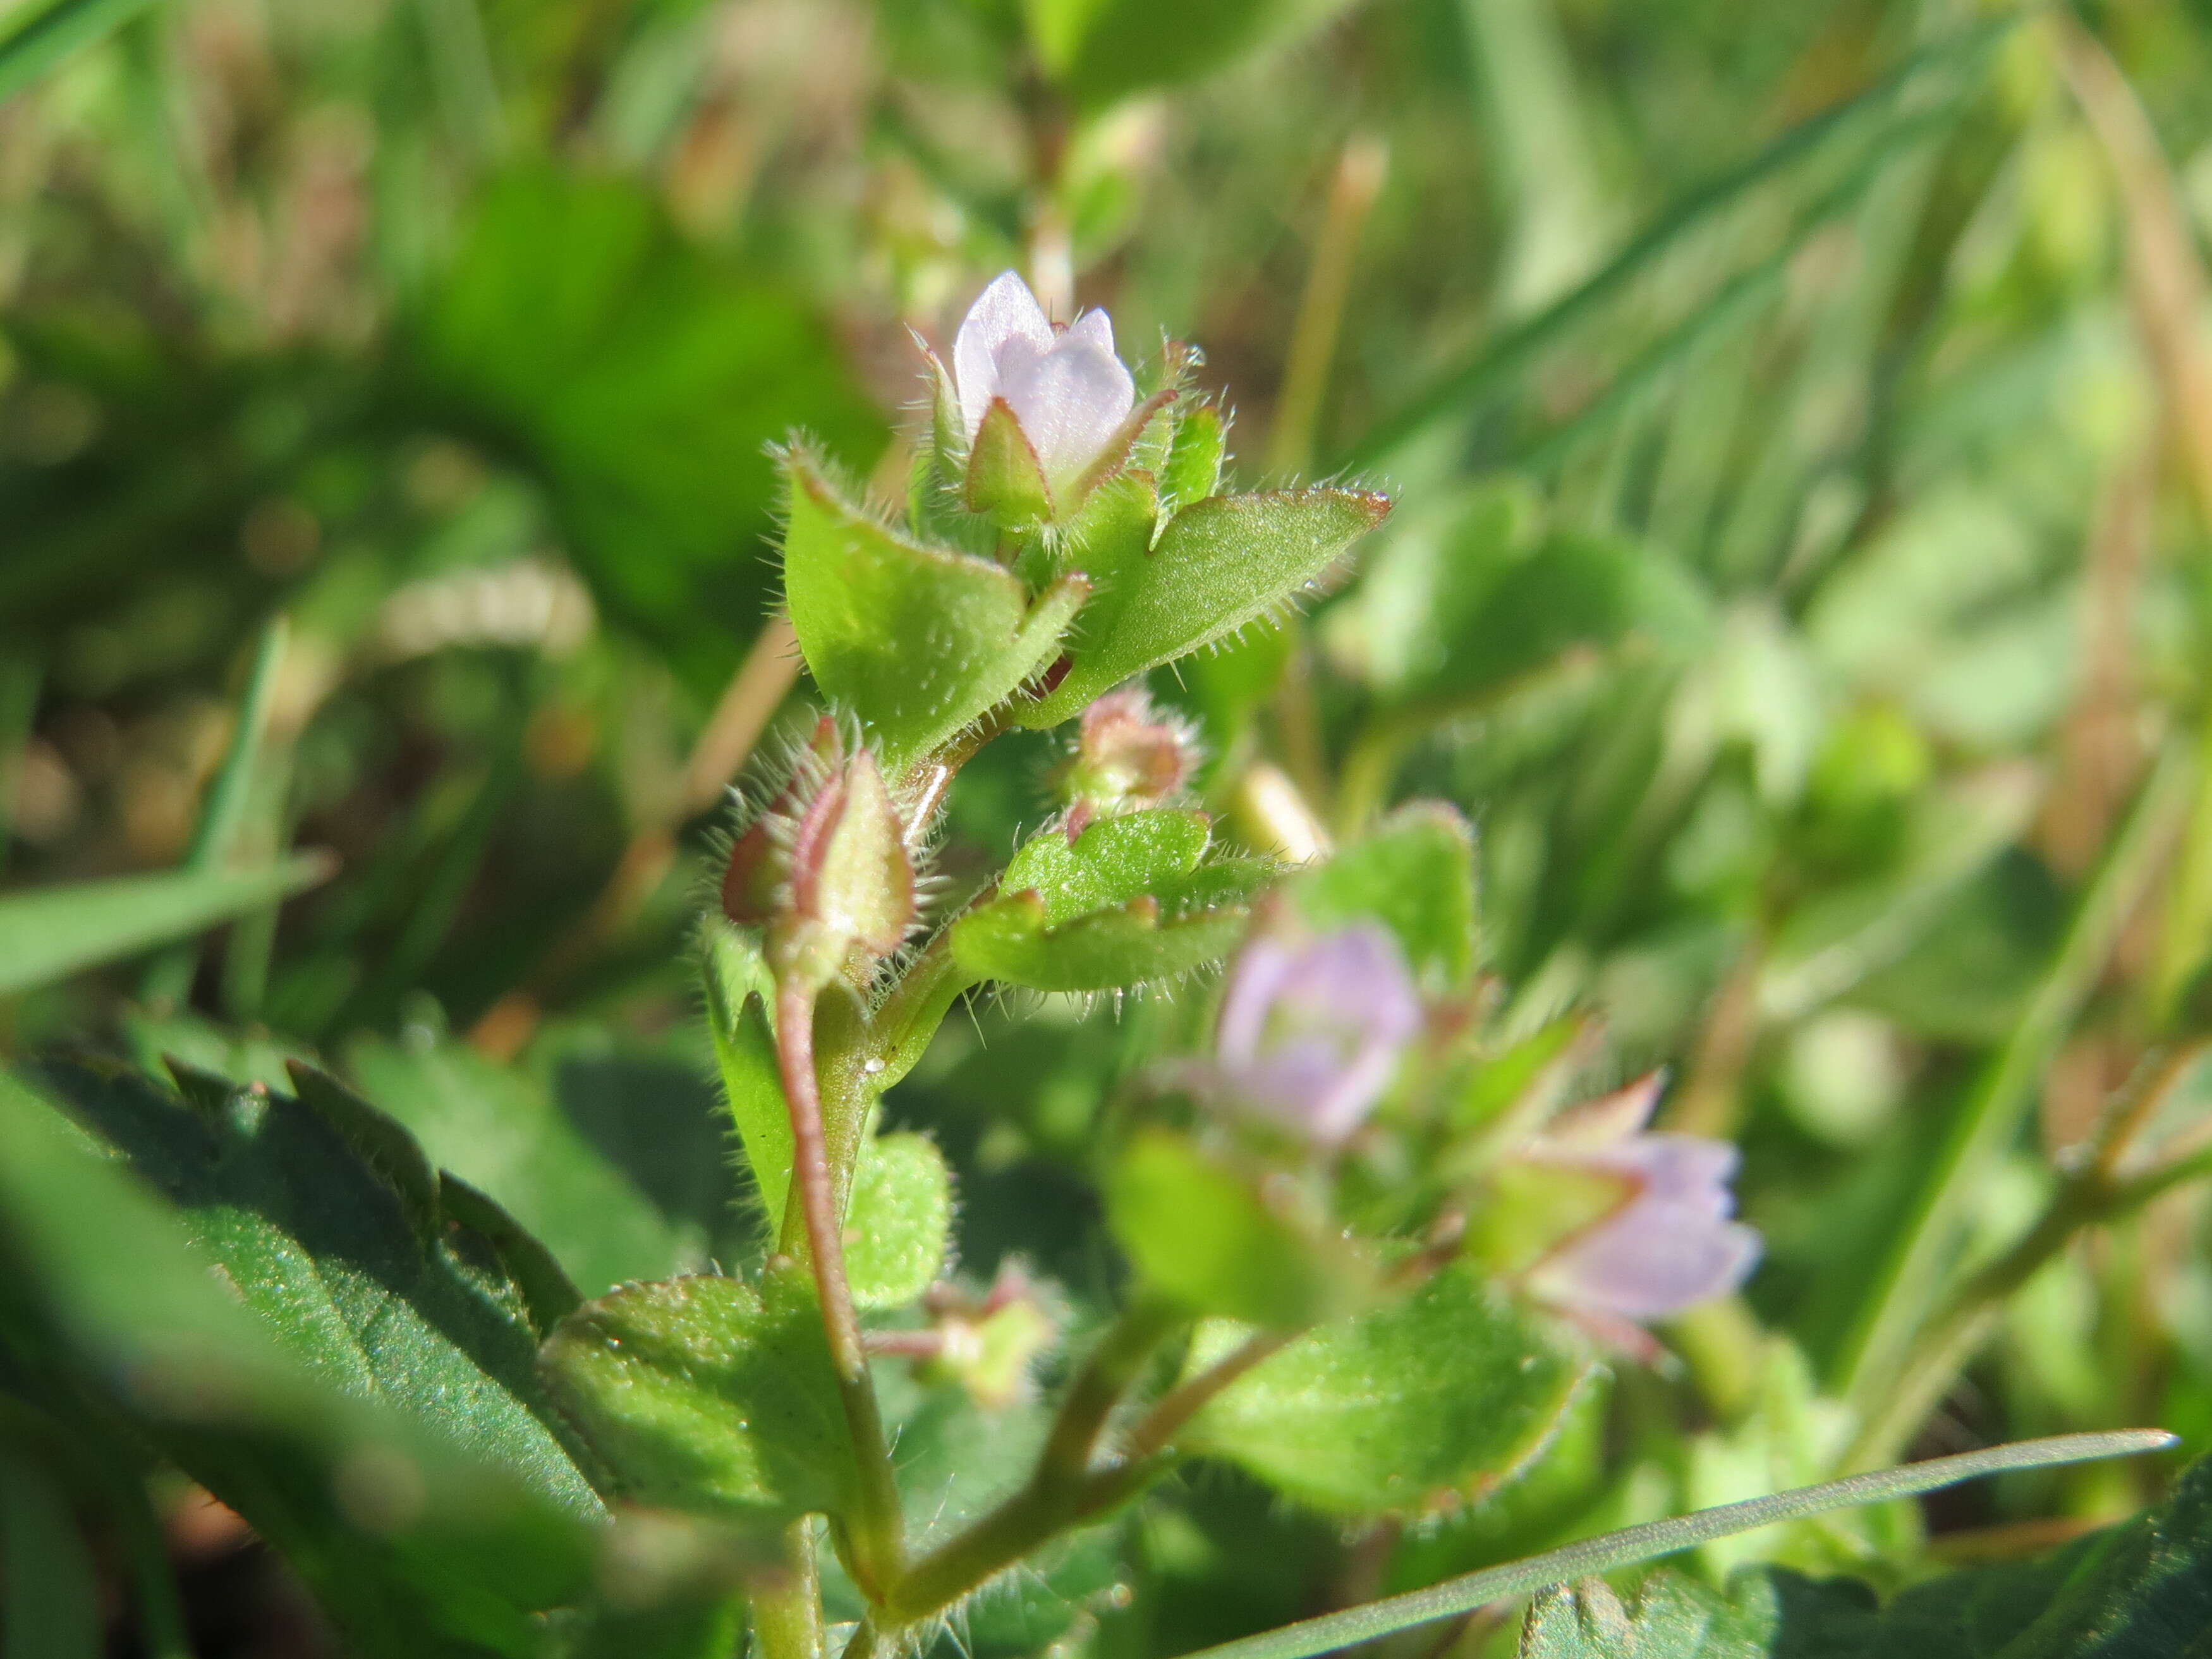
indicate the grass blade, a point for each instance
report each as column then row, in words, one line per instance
column 1456, row 389
column 213, row 837
column 52, row 932
column 38, row 44
column 1657, row 1538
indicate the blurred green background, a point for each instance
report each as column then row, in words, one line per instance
column 1800, row 418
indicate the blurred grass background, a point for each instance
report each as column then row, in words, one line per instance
column 1802, row 420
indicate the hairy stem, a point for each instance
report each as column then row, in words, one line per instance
column 1062, row 1489
column 1159, row 1426
column 787, row 1609
column 875, row 1531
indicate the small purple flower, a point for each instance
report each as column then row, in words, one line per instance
column 1671, row 1242
column 1311, row 1030
column 1068, row 389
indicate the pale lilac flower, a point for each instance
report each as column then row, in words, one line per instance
column 1671, row 1243
column 1066, row 388
column 1311, row 1030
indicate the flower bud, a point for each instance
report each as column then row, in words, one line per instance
column 825, row 869
column 987, row 1347
column 1126, row 757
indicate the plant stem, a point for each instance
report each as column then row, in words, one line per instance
column 787, row 1610
column 876, row 1531
column 1990, row 1117
column 1062, row 1489
column 1160, row 1425
column 169, row 979
column 1113, row 1369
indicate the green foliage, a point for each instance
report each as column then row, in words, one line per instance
column 1463, row 609
column 1130, row 900
column 48, row 933
column 710, row 1395
column 1415, row 872
column 898, row 1221
column 1105, row 50
column 643, row 380
column 917, row 642
column 2132, row 1592
column 1436, row 1397
column 53, row 1599
column 325, row 1217
column 1217, row 564
column 424, row 1531
column 1220, row 1243
column 44, row 35
column 1009, row 940
column 740, row 993
column 501, row 1131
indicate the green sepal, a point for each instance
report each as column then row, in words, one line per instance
column 1192, row 471
column 708, row 1395
column 1218, row 564
column 917, row 642
column 1415, row 874
column 1221, row 1242
column 898, row 1225
column 740, row 995
column 1005, row 480
column 1426, row 1401
column 1110, row 533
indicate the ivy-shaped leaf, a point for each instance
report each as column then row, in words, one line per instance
column 329, row 1221
column 280, row 1380
column 710, row 1395
column 1437, row 1397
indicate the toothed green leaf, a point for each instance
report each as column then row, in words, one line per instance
column 1130, row 901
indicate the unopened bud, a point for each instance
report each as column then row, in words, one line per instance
column 1127, row 757
column 988, row 1346
column 825, row 868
